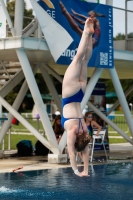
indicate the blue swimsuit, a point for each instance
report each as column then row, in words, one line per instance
column 75, row 98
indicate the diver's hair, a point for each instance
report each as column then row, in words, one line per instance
column 86, row 115
column 82, row 141
column 98, row 14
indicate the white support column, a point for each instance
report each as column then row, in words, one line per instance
column 36, row 31
column 31, row 30
column 117, row 102
column 39, row 31
column 108, row 121
column 19, row 15
column 11, row 84
column 9, row 139
column 122, row 99
column 0, row 116
column 37, row 97
column 16, row 106
column 34, row 90
column 7, row 17
column 3, row 145
column 63, row 141
column 54, row 73
column 28, row 125
column 51, row 88
column 91, row 84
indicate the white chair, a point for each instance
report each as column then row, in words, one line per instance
column 94, row 137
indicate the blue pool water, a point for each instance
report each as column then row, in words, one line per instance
column 106, row 182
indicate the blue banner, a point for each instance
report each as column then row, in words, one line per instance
column 72, row 14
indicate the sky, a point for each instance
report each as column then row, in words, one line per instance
column 118, row 15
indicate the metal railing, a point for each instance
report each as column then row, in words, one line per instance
column 120, row 121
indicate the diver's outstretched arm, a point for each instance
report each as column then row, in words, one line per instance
column 71, row 21
column 79, row 15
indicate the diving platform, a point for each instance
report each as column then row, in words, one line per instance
column 37, row 51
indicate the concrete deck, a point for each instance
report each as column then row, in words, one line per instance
column 118, row 153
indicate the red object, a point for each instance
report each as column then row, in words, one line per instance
column 14, row 121
column 14, row 170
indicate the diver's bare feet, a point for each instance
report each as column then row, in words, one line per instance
column 89, row 26
column 84, row 174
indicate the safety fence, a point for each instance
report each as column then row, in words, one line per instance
column 120, row 121
column 34, row 120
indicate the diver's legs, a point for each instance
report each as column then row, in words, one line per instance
column 83, row 72
column 75, row 74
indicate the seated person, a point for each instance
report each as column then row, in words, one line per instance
column 91, row 123
column 58, row 130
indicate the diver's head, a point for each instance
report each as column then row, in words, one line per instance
column 82, row 139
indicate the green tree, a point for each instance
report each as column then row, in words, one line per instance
column 121, row 36
column 27, row 13
column 125, row 85
column 130, row 35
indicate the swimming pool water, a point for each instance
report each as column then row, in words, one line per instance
column 106, row 182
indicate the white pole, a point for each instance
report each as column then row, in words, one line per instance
column 0, row 116
column 28, row 126
column 16, row 106
column 91, row 84
column 37, row 97
column 51, row 88
column 54, row 73
column 7, row 17
column 31, row 30
column 3, row 32
column 34, row 89
column 122, row 99
column 63, row 141
column 18, row 19
column 130, row 104
column 108, row 121
column 3, row 145
column 9, row 139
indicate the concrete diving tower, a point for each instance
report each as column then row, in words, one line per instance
column 21, row 56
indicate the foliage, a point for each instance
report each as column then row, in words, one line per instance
column 125, row 85
column 121, row 36
column 27, row 13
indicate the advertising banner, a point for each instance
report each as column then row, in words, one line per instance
column 71, row 15
column 2, row 22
